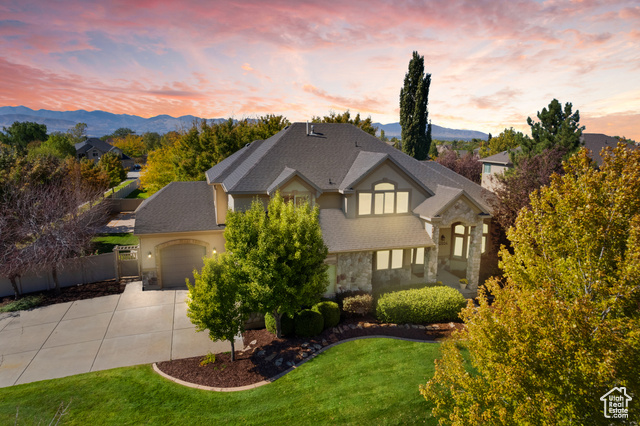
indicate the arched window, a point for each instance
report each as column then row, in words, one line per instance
column 384, row 199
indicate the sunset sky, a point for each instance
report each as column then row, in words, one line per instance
column 493, row 63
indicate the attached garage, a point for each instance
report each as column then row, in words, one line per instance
column 178, row 262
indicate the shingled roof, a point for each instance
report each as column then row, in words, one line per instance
column 332, row 159
column 372, row 233
column 178, row 207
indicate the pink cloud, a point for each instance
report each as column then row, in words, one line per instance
column 499, row 99
column 617, row 124
column 367, row 104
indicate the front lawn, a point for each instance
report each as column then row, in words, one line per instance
column 371, row 381
column 104, row 243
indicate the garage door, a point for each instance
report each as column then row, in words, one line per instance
column 178, row 263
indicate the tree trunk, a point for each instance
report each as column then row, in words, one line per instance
column 54, row 274
column 16, row 290
column 278, row 318
column 233, row 349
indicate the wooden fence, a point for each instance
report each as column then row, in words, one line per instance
column 79, row 270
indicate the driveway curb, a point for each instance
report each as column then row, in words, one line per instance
column 277, row 376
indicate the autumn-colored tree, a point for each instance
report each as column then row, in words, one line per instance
column 565, row 327
column 513, row 189
column 112, row 166
column 507, row 140
column 47, row 213
column 131, row 145
column 159, row 170
column 281, row 254
column 186, row 157
column 468, row 165
column 216, row 300
column 345, row 117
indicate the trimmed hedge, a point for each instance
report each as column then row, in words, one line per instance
column 429, row 304
column 330, row 312
column 358, row 305
column 309, row 323
column 286, row 323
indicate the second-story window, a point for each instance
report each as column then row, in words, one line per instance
column 384, row 199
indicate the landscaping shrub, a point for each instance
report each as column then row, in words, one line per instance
column 330, row 312
column 429, row 304
column 27, row 302
column 340, row 296
column 286, row 323
column 358, row 305
column 309, row 323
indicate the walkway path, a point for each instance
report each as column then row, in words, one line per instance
column 131, row 328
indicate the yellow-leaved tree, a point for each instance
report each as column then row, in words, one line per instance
column 564, row 328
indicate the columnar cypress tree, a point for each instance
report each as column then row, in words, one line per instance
column 414, row 115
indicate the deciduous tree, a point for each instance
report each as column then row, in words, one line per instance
column 131, row 145
column 565, row 328
column 58, row 144
column 217, row 300
column 345, row 117
column 508, row 139
column 112, row 166
column 282, row 255
column 414, row 113
column 78, row 133
column 513, row 189
column 468, row 165
column 20, row 134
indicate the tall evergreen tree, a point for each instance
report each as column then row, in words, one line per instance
column 414, row 115
column 558, row 128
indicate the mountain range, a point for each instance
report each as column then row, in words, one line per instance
column 101, row 123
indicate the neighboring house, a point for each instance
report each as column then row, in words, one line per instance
column 492, row 166
column 386, row 218
column 94, row 149
column 498, row 163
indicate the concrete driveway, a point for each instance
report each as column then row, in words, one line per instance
column 132, row 328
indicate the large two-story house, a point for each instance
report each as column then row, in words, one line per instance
column 386, row 218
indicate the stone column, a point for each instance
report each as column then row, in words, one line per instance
column 431, row 254
column 475, row 253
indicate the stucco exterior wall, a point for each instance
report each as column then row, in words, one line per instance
column 488, row 179
column 149, row 265
column 390, row 172
column 243, row 202
column 330, row 200
column 221, row 206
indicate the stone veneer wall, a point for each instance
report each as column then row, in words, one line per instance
column 391, row 277
column 459, row 212
column 354, row 271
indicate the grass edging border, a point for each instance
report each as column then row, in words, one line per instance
column 277, row 376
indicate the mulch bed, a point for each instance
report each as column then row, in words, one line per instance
column 77, row 292
column 265, row 356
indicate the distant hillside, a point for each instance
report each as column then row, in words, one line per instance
column 437, row 132
column 99, row 122
column 103, row 123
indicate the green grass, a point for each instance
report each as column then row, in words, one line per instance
column 372, row 381
column 104, row 243
column 23, row 304
column 122, row 184
column 138, row 193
